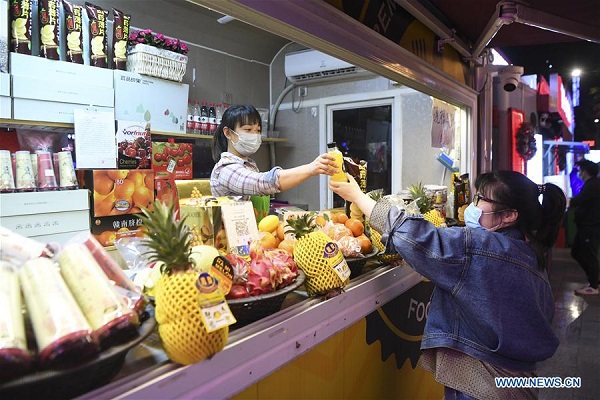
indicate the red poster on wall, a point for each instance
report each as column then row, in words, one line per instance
column 516, row 118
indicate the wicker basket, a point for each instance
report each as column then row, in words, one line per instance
column 249, row 309
column 160, row 63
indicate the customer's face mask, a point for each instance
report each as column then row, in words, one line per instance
column 472, row 216
column 247, row 143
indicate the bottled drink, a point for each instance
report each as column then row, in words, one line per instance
column 212, row 119
column 339, row 176
column 204, row 126
column 219, row 112
column 196, row 117
column 189, row 126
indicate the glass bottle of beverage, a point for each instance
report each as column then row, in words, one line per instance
column 189, row 125
column 204, row 125
column 212, row 119
column 197, row 118
column 333, row 150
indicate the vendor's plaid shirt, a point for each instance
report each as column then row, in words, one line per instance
column 234, row 176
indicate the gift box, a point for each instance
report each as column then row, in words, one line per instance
column 173, row 160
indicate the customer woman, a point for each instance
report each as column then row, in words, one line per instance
column 237, row 138
column 491, row 309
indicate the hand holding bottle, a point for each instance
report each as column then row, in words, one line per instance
column 324, row 164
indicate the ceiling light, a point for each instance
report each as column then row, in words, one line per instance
column 576, row 72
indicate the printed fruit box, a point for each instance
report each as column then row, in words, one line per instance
column 172, row 160
column 108, row 229
column 120, row 191
column 134, row 147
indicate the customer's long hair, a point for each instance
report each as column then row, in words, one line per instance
column 236, row 115
column 540, row 223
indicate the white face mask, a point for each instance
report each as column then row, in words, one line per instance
column 247, row 144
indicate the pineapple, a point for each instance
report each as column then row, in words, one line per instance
column 375, row 236
column 317, row 256
column 180, row 325
column 424, row 202
column 435, row 217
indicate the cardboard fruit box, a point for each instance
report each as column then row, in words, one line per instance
column 172, row 160
column 120, row 191
column 118, row 196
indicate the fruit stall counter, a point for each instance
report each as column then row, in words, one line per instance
column 311, row 348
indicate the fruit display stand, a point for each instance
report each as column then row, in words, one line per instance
column 269, row 346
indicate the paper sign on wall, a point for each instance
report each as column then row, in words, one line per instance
column 95, row 145
column 443, row 125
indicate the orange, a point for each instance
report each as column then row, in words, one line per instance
column 103, row 185
column 287, row 244
column 116, row 174
column 137, row 178
column 342, row 218
column 103, row 204
column 142, row 197
column 355, row 226
column 124, row 190
column 107, row 238
column 366, row 246
column 268, row 241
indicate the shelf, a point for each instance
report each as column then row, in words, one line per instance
column 63, row 127
column 38, row 125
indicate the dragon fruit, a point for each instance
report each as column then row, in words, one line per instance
column 267, row 271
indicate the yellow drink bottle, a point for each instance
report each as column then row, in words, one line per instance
column 339, row 176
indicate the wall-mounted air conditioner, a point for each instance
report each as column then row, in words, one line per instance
column 311, row 65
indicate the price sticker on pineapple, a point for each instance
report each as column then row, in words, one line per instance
column 214, row 310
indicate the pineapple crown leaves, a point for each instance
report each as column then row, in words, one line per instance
column 420, row 196
column 376, row 194
column 169, row 240
column 302, row 225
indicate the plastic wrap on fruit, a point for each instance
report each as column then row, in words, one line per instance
column 62, row 333
column 14, row 355
column 19, row 248
column 131, row 293
column 112, row 321
column 336, row 231
column 350, row 247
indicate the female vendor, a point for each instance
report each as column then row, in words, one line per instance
column 236, row 174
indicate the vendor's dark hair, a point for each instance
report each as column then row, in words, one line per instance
column 540, row 223
column 240, row 114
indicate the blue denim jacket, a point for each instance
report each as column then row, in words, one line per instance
column 490, row 301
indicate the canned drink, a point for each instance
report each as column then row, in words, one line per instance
column 7, row 179
column 46, row 177
column 25, row 178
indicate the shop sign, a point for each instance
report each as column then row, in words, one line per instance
column 399, row 324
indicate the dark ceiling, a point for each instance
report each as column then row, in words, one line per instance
column 469, row 18
column 539, row 51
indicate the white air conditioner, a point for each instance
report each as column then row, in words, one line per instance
column 310, row 65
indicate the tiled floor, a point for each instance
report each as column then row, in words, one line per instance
column 577, row 324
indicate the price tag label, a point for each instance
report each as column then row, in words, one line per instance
column 342, row 270
column 214, row 310
column 172, row 164
column 217, row 316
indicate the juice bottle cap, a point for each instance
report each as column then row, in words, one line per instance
column 331, row 145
